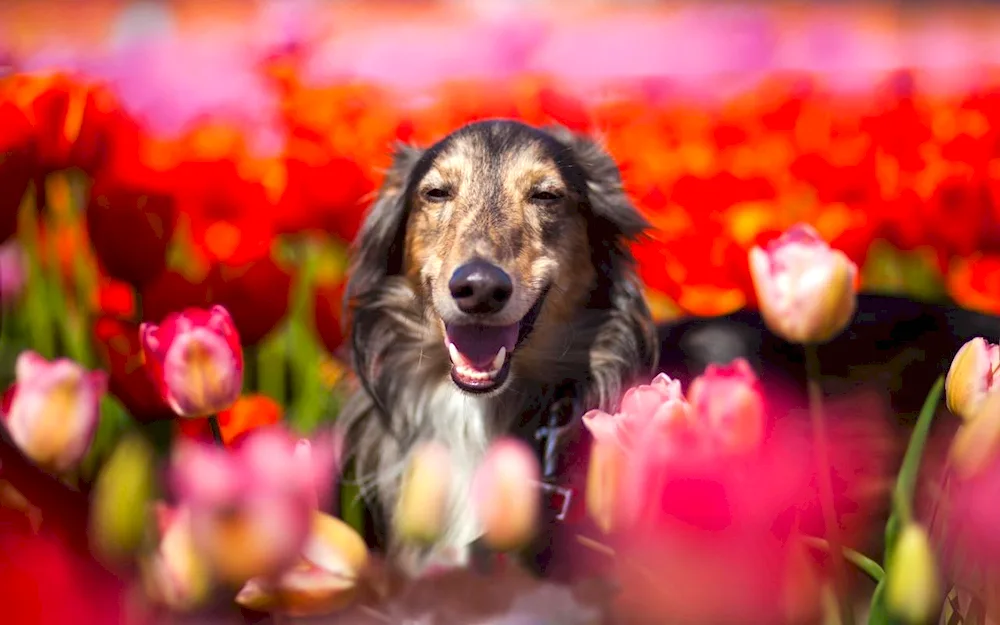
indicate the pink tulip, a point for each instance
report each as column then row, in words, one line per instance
column 971, row 377
column 661, row 402
column 728, row 400
column 176, row 574
column 506, row 495
column 196, row 360
column 806, row 290
column 54, row 409
column 251, row 507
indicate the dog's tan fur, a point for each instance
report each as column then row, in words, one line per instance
column 548, row 208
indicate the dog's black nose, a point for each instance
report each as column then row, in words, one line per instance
column 480, row 288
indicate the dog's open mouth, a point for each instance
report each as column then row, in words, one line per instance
column 481, row 354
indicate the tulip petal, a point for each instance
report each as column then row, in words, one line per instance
column 335, row 547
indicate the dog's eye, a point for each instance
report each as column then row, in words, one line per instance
column 437, row 194
column 545, row 197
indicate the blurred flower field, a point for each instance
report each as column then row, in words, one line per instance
column 161, row 157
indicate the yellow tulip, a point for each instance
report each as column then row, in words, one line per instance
column 324, row 580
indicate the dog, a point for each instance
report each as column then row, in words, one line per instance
column 491, row 282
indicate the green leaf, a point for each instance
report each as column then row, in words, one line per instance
column 35, row 300
column 865, row 564
column 912, row 273
column 902, row 496
column 272, row 365
column 877, row 613
column 906, row 482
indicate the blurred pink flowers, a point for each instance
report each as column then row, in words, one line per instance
column 53, row 410
column 505, row 494
column 805, row 289
column 196, row 360
column 12, row 276
column 251, row 507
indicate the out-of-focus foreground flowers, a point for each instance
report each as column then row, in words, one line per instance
column 702, row 507
column 51, row 410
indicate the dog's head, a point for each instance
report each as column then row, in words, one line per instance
column 503, row 231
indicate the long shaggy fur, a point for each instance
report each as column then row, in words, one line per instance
column 405, row 395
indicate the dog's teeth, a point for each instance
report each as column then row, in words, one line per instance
column 500, row 357
column 453, row 353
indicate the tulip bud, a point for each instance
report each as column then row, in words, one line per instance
column 505, row 495
column 324, row 580
column 121, row 496
column 728, row 400
column 805, row 289
column 176, row 575
column 971, row 377
column 423, row 502
column 196, row 360
column 607, row 460
column 977, row 441
column 54, row 410
column 913, row 589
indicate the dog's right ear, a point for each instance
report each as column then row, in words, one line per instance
column 378, row 248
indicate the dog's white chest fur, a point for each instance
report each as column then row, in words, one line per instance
column 460, row 422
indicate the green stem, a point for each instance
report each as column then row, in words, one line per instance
column 906, row 485
column 865, row 564
column 213, row 423
column 826, row 483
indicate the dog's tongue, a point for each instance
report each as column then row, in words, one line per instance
column 480, row 344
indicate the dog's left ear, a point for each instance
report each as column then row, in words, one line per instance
column 626, row 349
column 606, row 197
column 378, row 248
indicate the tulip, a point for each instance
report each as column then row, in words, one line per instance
column 324, row 579
column 54, row 410
column 505, row 494
column 661, row 402
column 912, row 585
column 196, row 360
column 423, row 502
column 971, row 377
column 176, row 575
column 805, row 289
column 130, row 230
column 123, row 490
column 12, row 273
column 604, row 471
column 256, row 294
column 251, row 506
column 728, row 400
column 977, row 442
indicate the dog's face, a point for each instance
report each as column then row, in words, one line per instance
column 497, row 244
column 499, row 228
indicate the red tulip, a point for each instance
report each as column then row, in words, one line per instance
column 195, row 359
column 255, row 294
column 329, row 304
column 130, row 230
column 119, row 347
column 172, row 292
column 17, row 164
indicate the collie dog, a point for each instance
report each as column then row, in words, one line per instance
column 492, row 287
column 491, row 283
